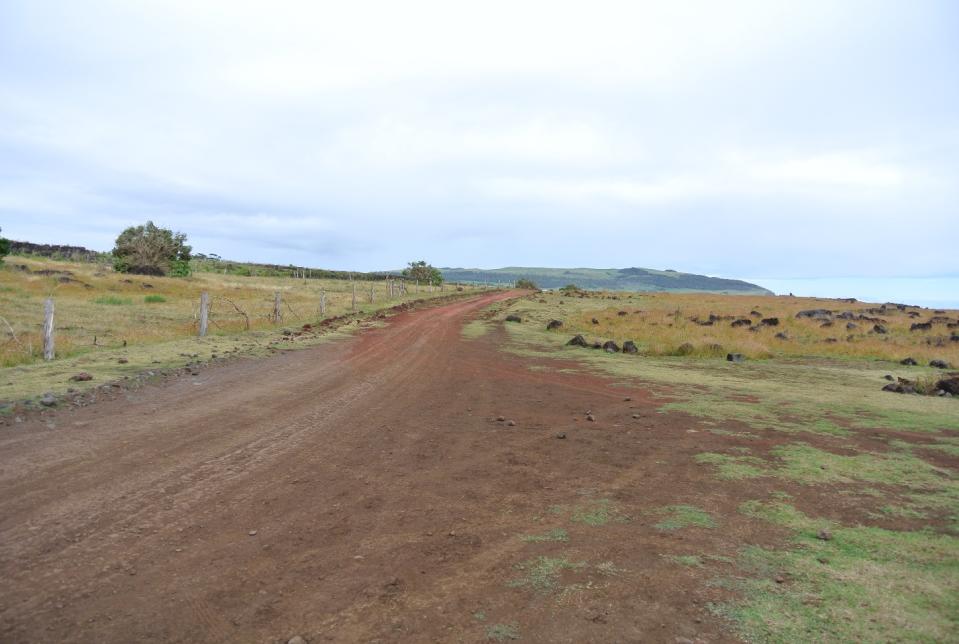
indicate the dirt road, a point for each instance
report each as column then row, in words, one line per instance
column 362, row 490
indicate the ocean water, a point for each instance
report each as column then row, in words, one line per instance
column 931, row 292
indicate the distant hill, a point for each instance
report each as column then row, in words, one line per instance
column 612, row 279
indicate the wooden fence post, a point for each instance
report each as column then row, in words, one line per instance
column 354, row 292
column 371, row 292
column 204, row 312
column 322, row 303
column 277, row 308
column 48, row 347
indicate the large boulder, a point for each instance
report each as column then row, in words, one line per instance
column 741, row 322
column 630, row 347
column 909, row 362
column 610, row 347
column 770, row 322
column 578, row 341
column 939, row 364
column 949, row 385
column 815, row 314
column 878, row 328
column 513, row 318
column 735, row 357
column 554, row 324
column 920, row 326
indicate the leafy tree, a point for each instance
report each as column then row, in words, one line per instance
column 527, row 284
column 4, row 248
column 150, row 250
column 423, row 272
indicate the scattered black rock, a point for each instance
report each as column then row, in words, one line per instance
column 735, row 357
column 921, row 326
column 622, row 313
column 949, row 385
column 578, row 341
column 596, row 345
column 889, row 377
column 770, row 322
column 83, row 376
column 630, row 347
column 939, row 364
column 756, row 314
column 815, row 314
column 554, row 324
column 782, row 336
column 513, row 318
column 594, row 321
column 851, row 325
column 879, row 329
column 909, row 362
column 741, row 322
column 824, row 535
column 610, row 347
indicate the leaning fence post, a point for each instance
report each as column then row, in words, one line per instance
column 204, row 311
column 322, row 303
column 48, row 348
column 277, row 310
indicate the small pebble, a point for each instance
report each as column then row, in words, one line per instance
column 511, row 423
column 252, row 533
column 561, row 435
column 590, row 418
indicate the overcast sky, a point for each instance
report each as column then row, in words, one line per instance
column 745, row 139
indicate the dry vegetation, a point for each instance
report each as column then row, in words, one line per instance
column 677, row 324
column 97, row 309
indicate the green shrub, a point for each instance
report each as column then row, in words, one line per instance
column 113, row 300
column 154, row 299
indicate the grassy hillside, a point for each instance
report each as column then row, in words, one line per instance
column 611, row 279
column 112, row 324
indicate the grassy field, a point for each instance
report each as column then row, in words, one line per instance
column 862, row 484
column 679, row 324
column 103, row 317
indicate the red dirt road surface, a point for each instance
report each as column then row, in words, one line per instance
column 359, row 491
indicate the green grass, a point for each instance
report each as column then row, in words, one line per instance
column 865, row 584
column 113, row 300
column 733, row 467
column 475, row 329
column 683, row 516
column 502, row 632
column 153, row 299
column 596, row 513
column 556, row 534
column 542, row 574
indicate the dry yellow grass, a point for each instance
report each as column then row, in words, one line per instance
column 662, row 323
column 98, row 309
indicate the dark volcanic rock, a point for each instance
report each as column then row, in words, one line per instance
column 594, row 321
column 921, row 326
column 742, row 322
column 879, row 329
column 909, row 362
column 735, row 357
column 554, row 324
column 949, row 385
column 939, row 364
column 513, row 318
column 610, row 347
column 83, row 376
column 782, row 336
column 578, row 341
column 630, row 347
column 770, row 322
column 815, row 314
